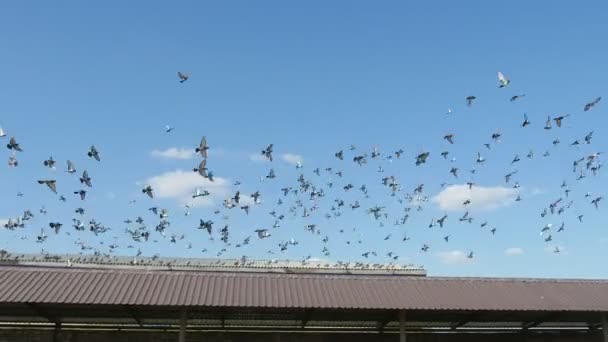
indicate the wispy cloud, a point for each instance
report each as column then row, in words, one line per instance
column 483, row 198
column 180, row 185
column 512, row 251
column 181, row 153
column 453, row 257
column 257, row 157
column 291, row 158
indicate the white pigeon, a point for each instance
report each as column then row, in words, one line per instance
column 503, row 80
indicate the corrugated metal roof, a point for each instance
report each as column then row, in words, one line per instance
column 20, row 284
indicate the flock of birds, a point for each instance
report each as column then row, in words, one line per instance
column 320, row 194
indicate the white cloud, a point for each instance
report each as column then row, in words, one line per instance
column 514, row 251
column 483, row 198
column 453, row 257
column 181, row 153
column 180, row 185
column 291, row 158
column 257, row 157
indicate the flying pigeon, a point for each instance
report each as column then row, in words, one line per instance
column 515, row 97
column 202, row 168
column 82, row 194
column 13, row 145
column 592, row 103
column 93, row 153
column 182, row 77
column 50, row 163
column 526, row 121
column 548, row 123
column 421, row 158
column 503, row 80
column 558, row 120
column 148, row 191
column 51, row 183
column 85, row 179
column 71, row 168
column 202, row 148
column 470, row 100
column 267, row 152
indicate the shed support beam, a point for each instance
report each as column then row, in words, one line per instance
column 463, row 321
column 543, row 319
column 183, row 320
column 381, row 324
column 605, row 326
column 306, row 318
column 56, row 332
column 402, row 336
column 134, row 315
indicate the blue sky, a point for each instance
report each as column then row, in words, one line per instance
column 311, row 78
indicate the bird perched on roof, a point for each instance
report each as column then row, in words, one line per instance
column 183, row 77
column 13, row 145
column 503, row 80
column 50, row 183
column 93, row 153
column 267, row 152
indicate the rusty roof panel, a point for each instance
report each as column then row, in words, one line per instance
column 52, row 285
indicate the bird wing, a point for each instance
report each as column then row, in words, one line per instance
column 501, row 77
column 52, row 185
column 202, row 168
